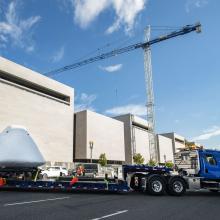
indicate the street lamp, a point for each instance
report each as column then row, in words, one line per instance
column 165, row 158
column 91, row 148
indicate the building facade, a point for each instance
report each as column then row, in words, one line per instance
column 137, row 140
column 178, row 141
column 136, row 137
column 42, row 105
column 96, row 134
column 165, row 149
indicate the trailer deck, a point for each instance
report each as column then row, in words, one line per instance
column 106, row 186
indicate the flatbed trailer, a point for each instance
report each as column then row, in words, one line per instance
column 50, row 185
column 31, row 179
column 135, row 178
column 196, row 170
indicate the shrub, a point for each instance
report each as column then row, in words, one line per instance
column 138, row 159
column 102, row 160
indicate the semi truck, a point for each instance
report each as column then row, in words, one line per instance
column 194, row 169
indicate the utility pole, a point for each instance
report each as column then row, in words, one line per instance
column 150, row 96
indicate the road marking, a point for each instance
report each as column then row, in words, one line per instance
column 113, row 214
column 36, row 201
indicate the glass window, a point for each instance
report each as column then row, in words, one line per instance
column 210, row 159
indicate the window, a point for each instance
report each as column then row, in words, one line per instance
column 210, row 159
column 185, row 157
column 180, row 141
column 35, row 87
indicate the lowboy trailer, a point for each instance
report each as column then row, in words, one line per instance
column 198, row 169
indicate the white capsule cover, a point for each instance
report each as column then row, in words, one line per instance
column 18, row 149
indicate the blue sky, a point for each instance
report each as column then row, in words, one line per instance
column 45, row 35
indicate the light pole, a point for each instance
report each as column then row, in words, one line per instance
column 165, row 158
column 91, row 148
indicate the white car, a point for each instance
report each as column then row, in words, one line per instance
column 54, row 171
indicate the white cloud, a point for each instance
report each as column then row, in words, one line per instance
column 136, row 109
column 126, row 11
column 15, row 31
column 191, row 4
column 84, row 101
column 208, row 133
column 86, row 11
column 58, row 55
column 112, row 68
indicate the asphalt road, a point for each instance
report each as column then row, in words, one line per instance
column 135, row 206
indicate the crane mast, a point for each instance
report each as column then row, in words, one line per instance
column 150, row 97
column 148, row 73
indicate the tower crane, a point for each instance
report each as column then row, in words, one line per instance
column 147, row 69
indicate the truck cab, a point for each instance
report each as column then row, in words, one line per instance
column 200, row 168
column 210, row 164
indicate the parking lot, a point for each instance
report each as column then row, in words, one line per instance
column 47, row 205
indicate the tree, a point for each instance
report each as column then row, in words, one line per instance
column 169, row 164
column 138, row 159
column 151, row 163
column 102, row 160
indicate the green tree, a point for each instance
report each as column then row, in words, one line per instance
column 169, row 164
column 151, row 163
column 102, row 160
column 138, row 159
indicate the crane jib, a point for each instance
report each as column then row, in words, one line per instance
column 186, row 29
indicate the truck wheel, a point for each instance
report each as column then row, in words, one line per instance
column 135, row 183
column 176, row 186
column 156, row 185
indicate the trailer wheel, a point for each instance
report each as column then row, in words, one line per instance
column 156, row 185
column 135, row 183
column 176, row 186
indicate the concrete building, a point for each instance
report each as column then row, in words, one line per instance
column 165, row 149
column 42, row 105
column 178, row 141
column 107, row 135
column 137, row 140
column 136, row 137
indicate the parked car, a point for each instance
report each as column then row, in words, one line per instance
column 54, row 171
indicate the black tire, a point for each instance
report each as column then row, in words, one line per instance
column 135, row 183
column 156, row 185
column 176, row 186
column 214, row 190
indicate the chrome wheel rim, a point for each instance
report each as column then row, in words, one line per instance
column 157, row 186
column 177, row 186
